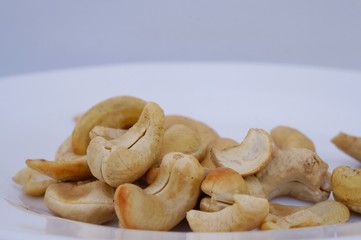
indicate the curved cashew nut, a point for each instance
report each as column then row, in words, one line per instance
column 116, row 112
column 286, row 137
column 246, row 213
column 128, row 157
column 163, row 204
column 350, row 145
column 206, row 133
column 322, row 213
column 249, row 157
column 90, row 202
column 297, row 172
column 346, row 186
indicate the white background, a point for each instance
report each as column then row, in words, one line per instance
column 40, row 35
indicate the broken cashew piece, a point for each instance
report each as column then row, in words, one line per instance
column 128, row 157
column 350, row 145
column 33, row 182
column 163, row 204
column 116, row 112
column 287, row 137
column 249, row 157
column 322, row 213
column 90, row 202
column 205, row 133
column 245, row 214
column 74, row 170
column 346, row 186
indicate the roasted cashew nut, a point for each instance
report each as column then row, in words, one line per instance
column 163, row 204
column 296, row 172
column 346, row 186
column 287, row 137
column 116, row 112
column 126, row 158
column 246, row 213
column 90, row 202
column 351, row 145
column 247, row 158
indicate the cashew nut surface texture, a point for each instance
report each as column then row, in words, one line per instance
column 296, row 172
column 90, row 202
column 350, row 145
column 163, row 204
column 346, row 186
column 246, row 213
column 249, row 157
column 126, row 158
column 116, row 112
column 287, row 137
column 218, row 143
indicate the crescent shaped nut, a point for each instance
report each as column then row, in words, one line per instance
column 163, row 204
column 116, row 112
column 249, row 157
column 245, row 214
column 127, row 158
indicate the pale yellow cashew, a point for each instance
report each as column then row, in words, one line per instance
column 128, row 157
column 90, row 202
column 116, row 112
column 287, row 137
column 350, row 145
column 163, row 204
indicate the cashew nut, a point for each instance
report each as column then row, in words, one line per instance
column 346, row 186
column 296, row 172
column 33, row 182
column 90, row 202
column 350, row 145
column 218, row 143
column 206, row 133
column 281, row 210
column 65, row 152
column 163, row 204
column 286, row 137
column 322, row 213
column 106, row 132
column 247, row 158
column 128, row 157
column 75, row 170
column 222, row 183
column 116, row 112
column 246, row 213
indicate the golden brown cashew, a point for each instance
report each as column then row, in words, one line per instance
column 163, row 204
column 206, row 133
column 74, row 170
column 296, row 172
column 322, row 213
column 350, row 145
column 128, row 157
column 90, row 202
column 286, row 137
column 116, row 112
column 247, row 158
column 33, row 182
column 246, row 213
column 346, row 186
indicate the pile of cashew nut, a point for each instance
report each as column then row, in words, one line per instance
column 127, row 160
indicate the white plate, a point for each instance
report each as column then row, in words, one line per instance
column 37, row 113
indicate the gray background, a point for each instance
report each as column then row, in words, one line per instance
column 38, row 35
